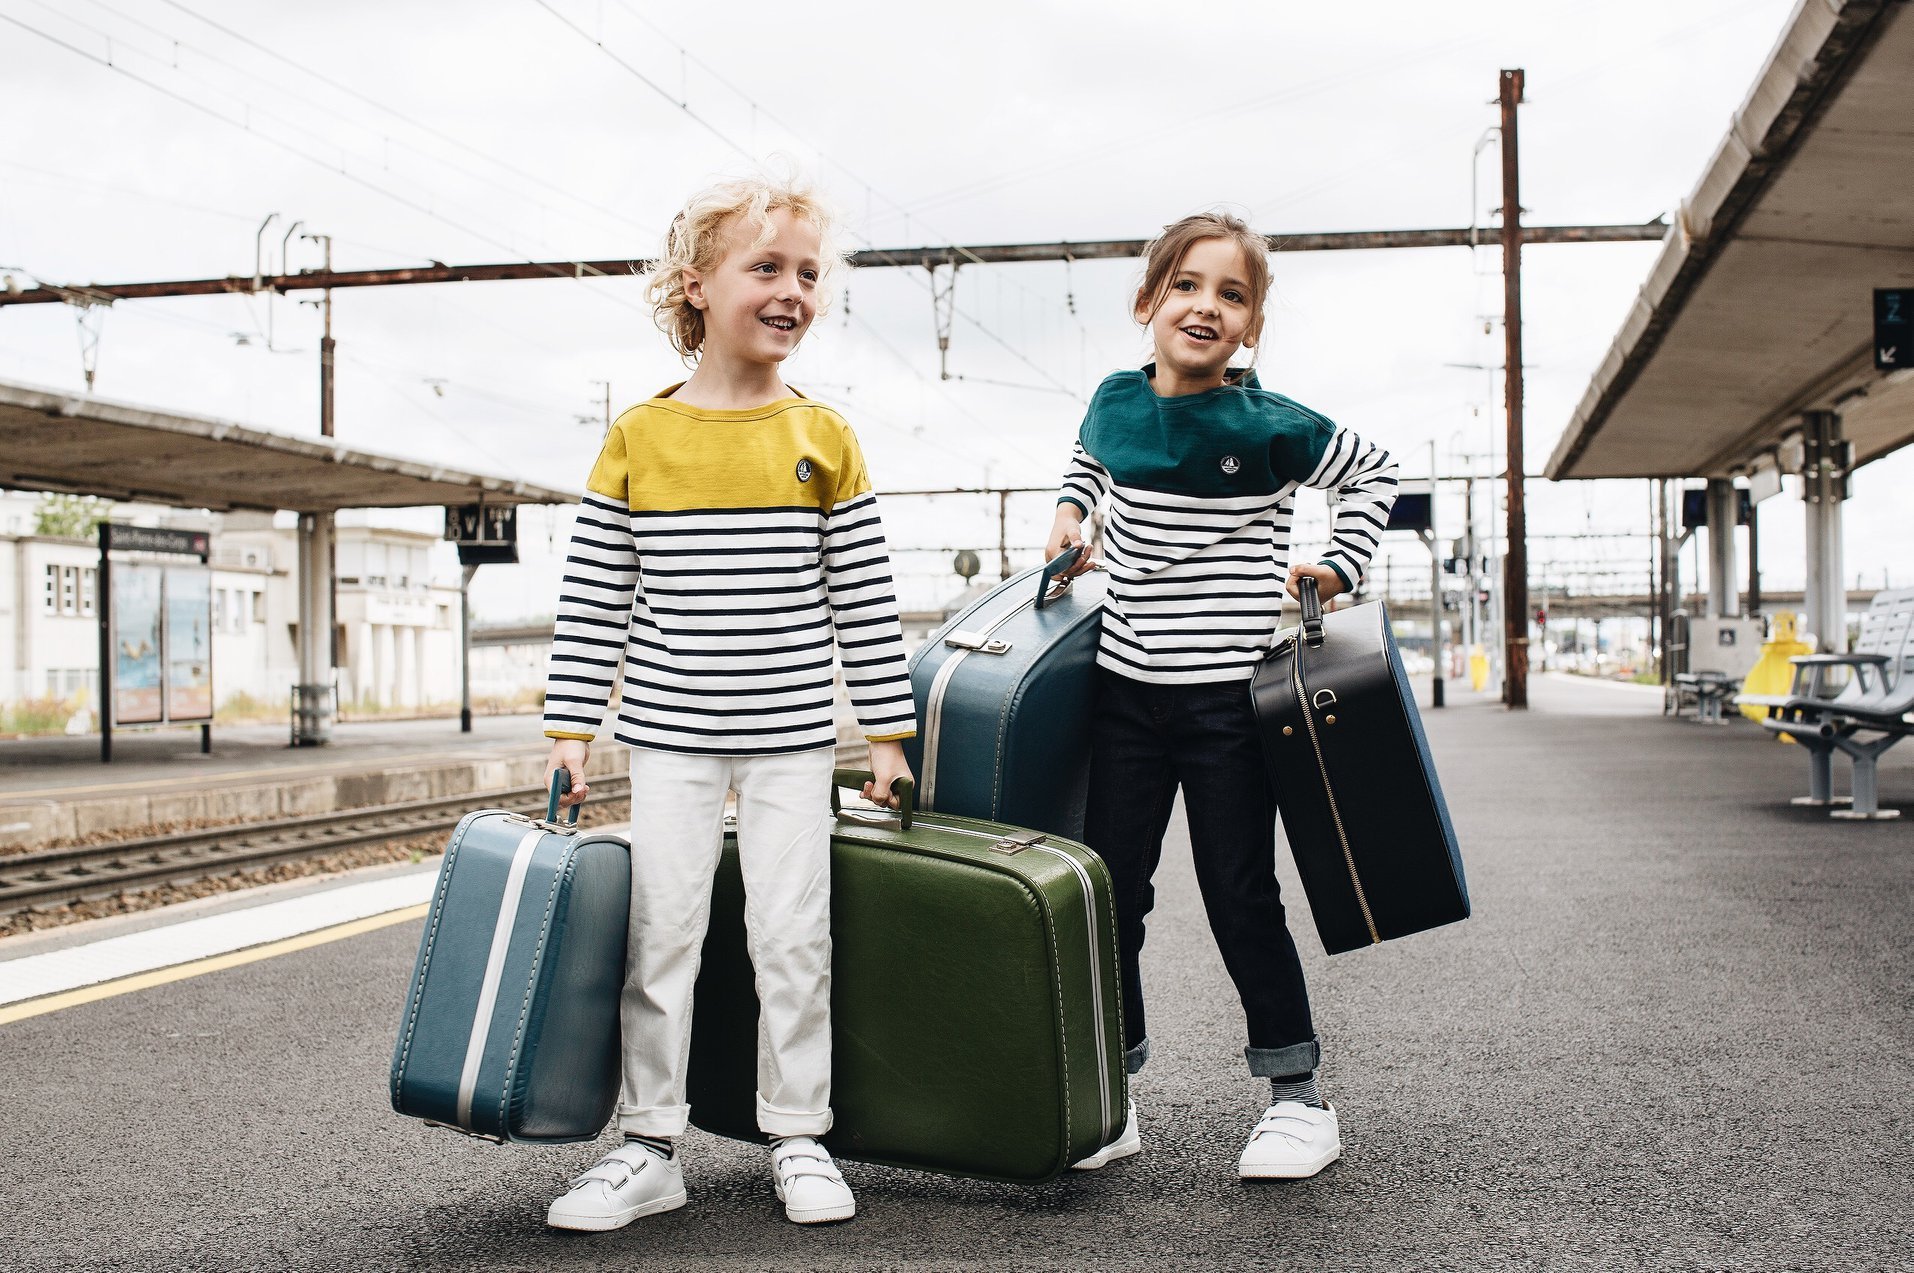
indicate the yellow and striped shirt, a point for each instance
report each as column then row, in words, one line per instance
column 721, row 555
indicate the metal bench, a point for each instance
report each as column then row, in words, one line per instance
column 1860, row 703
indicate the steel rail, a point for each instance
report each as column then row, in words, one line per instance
column 37, row 881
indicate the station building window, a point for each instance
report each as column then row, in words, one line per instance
column 219, row 609
column 69, row 590
column 259, row 607
column 53, row 590
column 89, row 589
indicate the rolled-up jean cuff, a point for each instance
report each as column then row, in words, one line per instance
column 1271, row 1063
column 669, row 1120
column 1134, row 1059
column 773, row 1121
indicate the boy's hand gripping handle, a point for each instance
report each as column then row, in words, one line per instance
column 903, row 788
column 561, row 783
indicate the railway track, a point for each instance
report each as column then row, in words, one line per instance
column 36, row 881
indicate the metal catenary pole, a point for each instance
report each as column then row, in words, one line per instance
column 1515, row 586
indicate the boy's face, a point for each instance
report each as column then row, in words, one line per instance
column 1206, row 315
column 759, row 302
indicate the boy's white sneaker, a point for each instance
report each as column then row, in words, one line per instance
column 1292, row 1142
column 1128, row 1142
column 808, row 1183
column 627, row 1183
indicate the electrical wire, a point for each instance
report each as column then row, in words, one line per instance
column 290, row 148
column 622, row 219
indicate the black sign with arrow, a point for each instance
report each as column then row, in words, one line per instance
column 1893, row 328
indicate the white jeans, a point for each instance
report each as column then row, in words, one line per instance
column 784, row 848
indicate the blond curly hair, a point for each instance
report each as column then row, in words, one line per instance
column 695, row 241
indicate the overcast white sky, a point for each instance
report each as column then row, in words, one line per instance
column 515, row 129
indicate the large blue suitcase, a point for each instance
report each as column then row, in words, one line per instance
column 1004, row 693
column 510, row 1030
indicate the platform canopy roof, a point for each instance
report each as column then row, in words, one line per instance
column 1760, row 306
column 52, row 440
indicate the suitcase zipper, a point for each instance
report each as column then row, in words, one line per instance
column 1090, row 926
column 1329, row 792
column 940, row 684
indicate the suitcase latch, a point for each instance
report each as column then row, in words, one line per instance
column 1011, row 845
column 976, row 642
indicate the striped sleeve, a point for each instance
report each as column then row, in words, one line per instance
column 1085, row 483
column 1364, row 478
column 594, row 604
column 863, row 599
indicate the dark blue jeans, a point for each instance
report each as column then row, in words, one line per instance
column 1148, row 740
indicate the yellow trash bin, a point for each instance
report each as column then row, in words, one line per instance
column 1772, row 673
column 1478, row 668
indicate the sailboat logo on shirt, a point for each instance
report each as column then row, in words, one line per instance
column 1231, row 464
column 804, row 470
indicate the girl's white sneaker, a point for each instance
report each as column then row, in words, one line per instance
column 1128, row 1142
column 1292, row 1142
column 627, row 1183
column 808, row 1183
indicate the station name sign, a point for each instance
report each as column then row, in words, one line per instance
column 118, row 537
column 487, row 534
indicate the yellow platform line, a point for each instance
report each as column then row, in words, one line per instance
column 212, row 963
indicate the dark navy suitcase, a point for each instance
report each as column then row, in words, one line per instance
column 976, row 1010
column 1360, row 801
column 510, row 1030
column 1004, row 693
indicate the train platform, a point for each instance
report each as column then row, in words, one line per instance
column 56, row 789
column 1675, row 1035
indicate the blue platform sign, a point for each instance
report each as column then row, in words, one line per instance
column 1893, row 328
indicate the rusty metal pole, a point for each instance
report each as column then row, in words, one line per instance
column 1515, row 581
column 1003, row 534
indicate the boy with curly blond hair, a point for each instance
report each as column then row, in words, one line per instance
column 727, row 540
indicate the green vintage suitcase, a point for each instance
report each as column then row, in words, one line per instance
column 976, row 1015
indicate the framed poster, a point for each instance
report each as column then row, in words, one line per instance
column 189, row 643
column 136, row 645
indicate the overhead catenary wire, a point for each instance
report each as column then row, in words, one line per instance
column 746, row 153
column 295, row 150
column 612, row 214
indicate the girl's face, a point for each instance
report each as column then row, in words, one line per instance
column 759, row 302
column 1206, row 314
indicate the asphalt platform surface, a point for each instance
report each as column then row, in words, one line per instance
column 1677, row 1034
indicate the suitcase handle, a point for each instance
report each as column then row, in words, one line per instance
column 561, row 783
column 903, row 788
column 1062, row 562
column 1312, row 610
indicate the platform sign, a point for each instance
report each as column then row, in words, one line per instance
column 156, row 632
column 188, row 594
column 137, row 666
column 1411, row 511
column 486, row 534
column 1893, row 328
column 1694, row 508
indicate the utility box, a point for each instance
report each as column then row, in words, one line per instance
column 1728, row 646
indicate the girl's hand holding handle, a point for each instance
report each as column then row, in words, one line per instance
column 1067, row 533
column 1328, row 582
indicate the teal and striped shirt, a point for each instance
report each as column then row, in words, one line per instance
column 1199, row 495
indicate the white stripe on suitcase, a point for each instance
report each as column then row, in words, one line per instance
column 494, row 968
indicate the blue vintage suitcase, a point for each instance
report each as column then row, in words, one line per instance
column 1004, row 693
column 511, row 1027
column 1357, row 787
